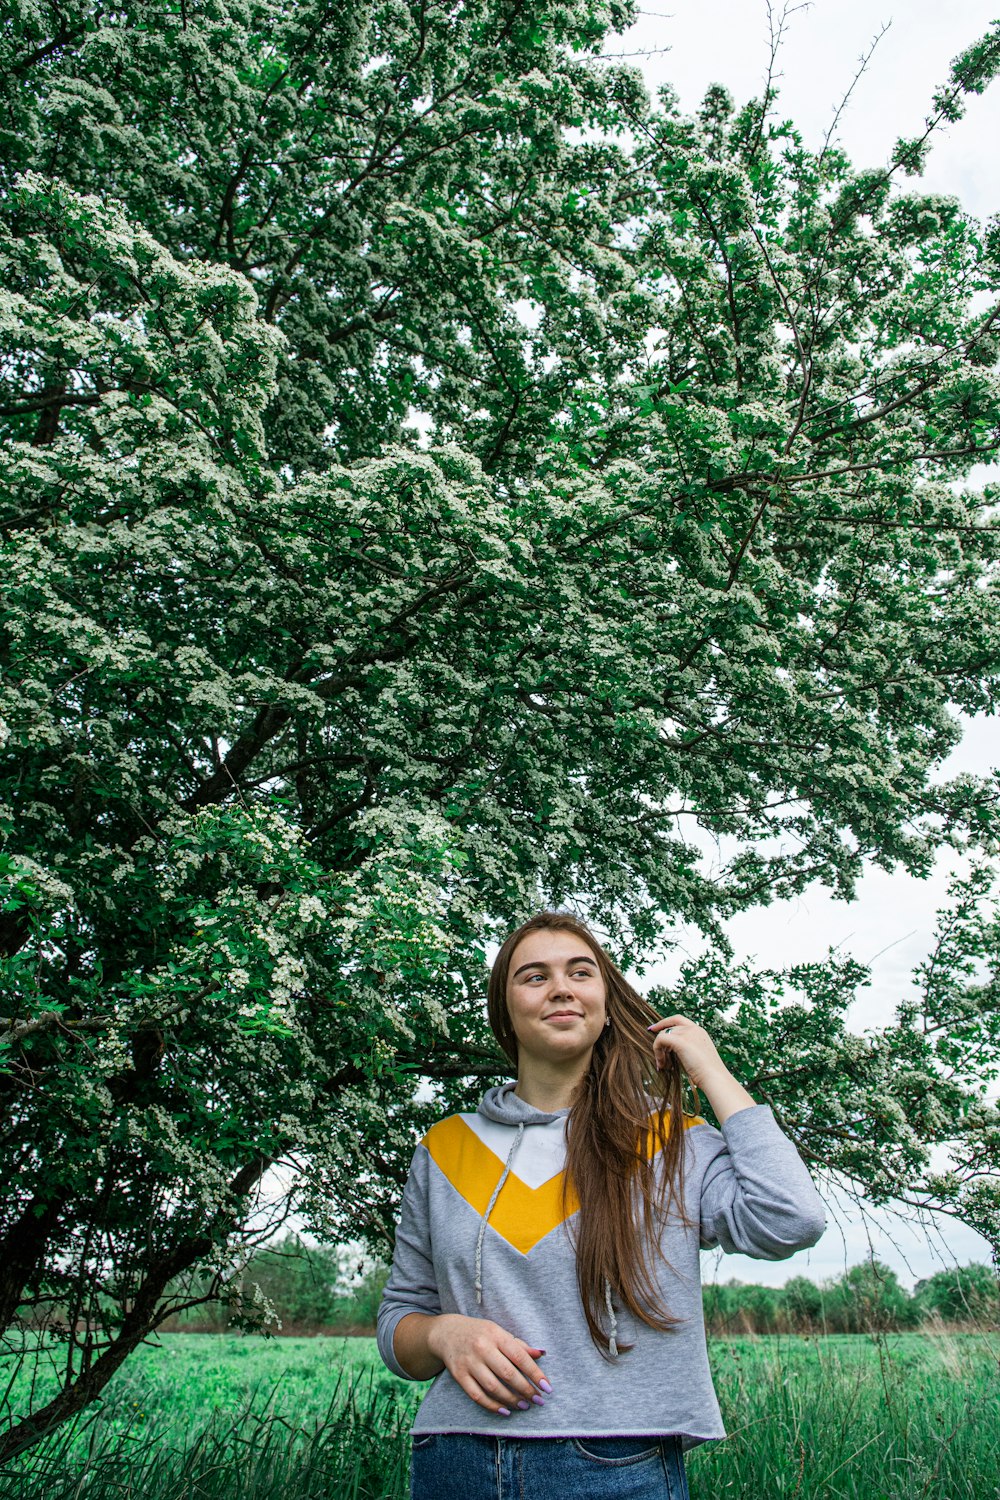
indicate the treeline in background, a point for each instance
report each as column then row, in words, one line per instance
column 866, row 1298
column 307, row 1288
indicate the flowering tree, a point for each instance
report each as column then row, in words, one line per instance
column 297, row 712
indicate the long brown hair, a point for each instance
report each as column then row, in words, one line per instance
column 611, row 1138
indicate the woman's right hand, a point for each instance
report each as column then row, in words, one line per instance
column 495, row 1369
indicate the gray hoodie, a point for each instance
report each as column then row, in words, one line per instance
column 482, row 1233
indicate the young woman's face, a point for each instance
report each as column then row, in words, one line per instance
column 556, row 996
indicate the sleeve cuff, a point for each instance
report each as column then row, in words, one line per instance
column 386, row 1334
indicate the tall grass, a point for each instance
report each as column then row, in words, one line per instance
column 897, row 1417
column 851, row 1417
column 358, row 1449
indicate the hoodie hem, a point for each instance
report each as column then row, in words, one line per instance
column 688, row 1439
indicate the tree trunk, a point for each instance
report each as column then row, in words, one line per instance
column 21, row 1250
column 140, row 1321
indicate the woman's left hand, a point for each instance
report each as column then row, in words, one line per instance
column 691, row 1045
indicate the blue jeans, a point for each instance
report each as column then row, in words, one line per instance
column 472, row 1466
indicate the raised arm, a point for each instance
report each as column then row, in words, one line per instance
column 757, row 1197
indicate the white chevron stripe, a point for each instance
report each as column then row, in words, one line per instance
column 541, row 1154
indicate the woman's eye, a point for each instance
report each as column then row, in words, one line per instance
column 577, row 974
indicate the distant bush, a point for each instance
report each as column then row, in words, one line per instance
column 869, row 1298
column 310, row 1288
column 802, row 1304
column 960, row 1295
column 741, row 1307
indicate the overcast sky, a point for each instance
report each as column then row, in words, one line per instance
column 699, row 42
column 890, row 924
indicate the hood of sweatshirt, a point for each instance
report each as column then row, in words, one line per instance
column 504, row 1106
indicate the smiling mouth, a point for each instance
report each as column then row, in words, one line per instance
column 564, row 1015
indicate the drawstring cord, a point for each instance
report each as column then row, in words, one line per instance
column 489, row 1209
column 612, row 1340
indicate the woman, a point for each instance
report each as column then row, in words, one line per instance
column 546, row 1272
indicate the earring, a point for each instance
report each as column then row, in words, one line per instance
column 607, row 1021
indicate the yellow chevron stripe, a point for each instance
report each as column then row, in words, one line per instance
column 521, row 1215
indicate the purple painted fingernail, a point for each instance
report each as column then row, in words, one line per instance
column 524, row 1406
column 544, row 1385
column 502, row 1411
column 538, row 1400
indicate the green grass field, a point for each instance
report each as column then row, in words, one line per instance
column 897, row 1417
